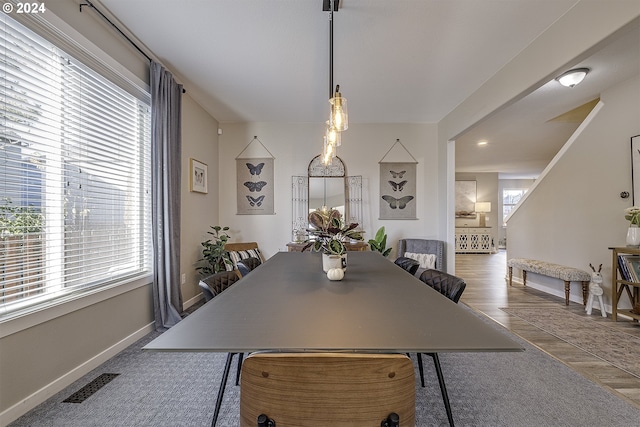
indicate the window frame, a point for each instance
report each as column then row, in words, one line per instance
column 60, row 34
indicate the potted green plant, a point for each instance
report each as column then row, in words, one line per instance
column 328, row 234
column 379, row 242
column 214, row 255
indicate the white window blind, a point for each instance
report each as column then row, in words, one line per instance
column 74, row 176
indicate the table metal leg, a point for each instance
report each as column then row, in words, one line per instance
column 223, row 384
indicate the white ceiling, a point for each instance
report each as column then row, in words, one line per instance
column 396, row 61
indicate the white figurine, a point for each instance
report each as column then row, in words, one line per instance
column 595, row 291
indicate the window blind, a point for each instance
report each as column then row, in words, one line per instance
column 74, row 176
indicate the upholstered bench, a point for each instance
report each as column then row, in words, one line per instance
column 556, row 271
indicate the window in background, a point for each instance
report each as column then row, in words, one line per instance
column 74, row 176
column 510, row 198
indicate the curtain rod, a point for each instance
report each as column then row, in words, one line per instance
column 88, row 3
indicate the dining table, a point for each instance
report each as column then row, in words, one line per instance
column 288, row 304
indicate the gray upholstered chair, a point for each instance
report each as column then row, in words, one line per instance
column 424, row 246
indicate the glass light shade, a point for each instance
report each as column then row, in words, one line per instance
column 339, row 117
column 328, row 152
column 333, row 136
column 572, row 77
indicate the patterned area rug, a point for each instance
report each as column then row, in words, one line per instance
column 612, row 345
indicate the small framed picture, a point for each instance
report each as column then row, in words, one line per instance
column 198, row 177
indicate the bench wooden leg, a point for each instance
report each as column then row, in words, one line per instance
column 585, row 292
column 510, row 275
column 567, row 290
column 524, row 278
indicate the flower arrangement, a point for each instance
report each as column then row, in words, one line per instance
column 329, row 232
column 632, row 214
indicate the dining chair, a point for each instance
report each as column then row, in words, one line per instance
column 414, row 247
column 212, row 286
column 451, row 287
column 327, row 389
column 408, row 264
column 246, row 265
column 243, row 250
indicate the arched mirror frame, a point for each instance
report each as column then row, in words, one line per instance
column 300, row 194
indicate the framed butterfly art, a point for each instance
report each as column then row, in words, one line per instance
column 198, row 176
column 398, row 190
column 255, row 186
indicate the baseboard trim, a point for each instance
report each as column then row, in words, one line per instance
column 188, row 303
column 16, row 411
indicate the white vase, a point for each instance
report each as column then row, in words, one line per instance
column 334, row 261
column 633, row 235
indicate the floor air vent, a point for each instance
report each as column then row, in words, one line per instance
column 86, row 391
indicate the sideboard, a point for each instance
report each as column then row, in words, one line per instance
column 474, row 240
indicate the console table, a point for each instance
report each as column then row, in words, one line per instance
column 474, row 240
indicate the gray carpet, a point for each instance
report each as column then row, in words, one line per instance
column 616, row 346
column 486, row 389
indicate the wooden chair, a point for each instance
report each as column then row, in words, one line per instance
column 327, row 389
column 245, row 246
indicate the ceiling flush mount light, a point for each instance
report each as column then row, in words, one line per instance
column 572, row 77
column 338, row 116
column 482, row 143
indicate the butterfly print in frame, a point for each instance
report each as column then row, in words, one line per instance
column 394, row 203
column 255, row 186
column 397, row 186
column 255, row 170
column 257, row 201
column 397, row 174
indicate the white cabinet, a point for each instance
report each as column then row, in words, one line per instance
column 474, row 239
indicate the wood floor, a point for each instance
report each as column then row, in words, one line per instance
column 487, row 291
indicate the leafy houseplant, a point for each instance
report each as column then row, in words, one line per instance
column 379, row 242
column 214, row 254
column 632, row 215
column 329, row 232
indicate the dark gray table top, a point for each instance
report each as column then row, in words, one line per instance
column 289, row 304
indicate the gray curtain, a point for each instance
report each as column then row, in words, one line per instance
column 166, row 156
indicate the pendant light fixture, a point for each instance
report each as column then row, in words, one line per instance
column 338, row 116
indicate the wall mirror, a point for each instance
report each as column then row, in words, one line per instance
column 325, row 186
